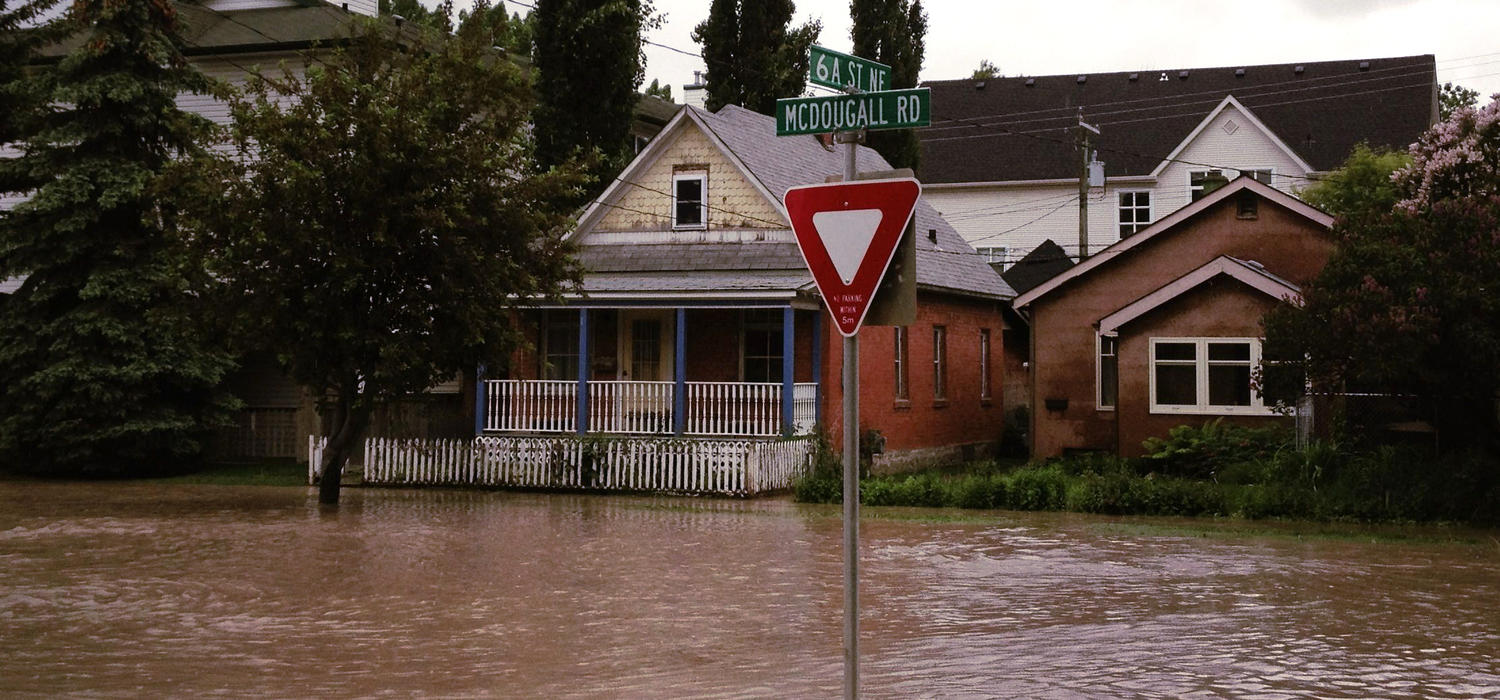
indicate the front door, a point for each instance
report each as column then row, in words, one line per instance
column 647, row 339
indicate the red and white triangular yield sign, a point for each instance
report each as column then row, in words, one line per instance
column 848, row 232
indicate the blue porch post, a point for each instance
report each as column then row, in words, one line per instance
column 679, row 375
column 583, row 372
column 817, row 363
column 788, row 355
column 479, row 400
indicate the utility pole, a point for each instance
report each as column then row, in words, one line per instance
column 1086, row 160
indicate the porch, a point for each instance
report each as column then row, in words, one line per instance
column 737, row 371
column 696, row 409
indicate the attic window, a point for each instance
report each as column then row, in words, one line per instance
column 1247, row 206
column 689, row 200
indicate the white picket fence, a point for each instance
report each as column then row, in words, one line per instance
column 672, row 465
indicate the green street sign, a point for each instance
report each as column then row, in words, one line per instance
column 840, row 70
column 891, row 109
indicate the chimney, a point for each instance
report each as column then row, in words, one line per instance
column 694, row 94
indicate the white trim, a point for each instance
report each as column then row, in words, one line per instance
column 653, row 152
column 1229, row 101
column 1201, row 365
column 1249, row 273
column 702, row 177
column 1150, row 209
column 1297, row 206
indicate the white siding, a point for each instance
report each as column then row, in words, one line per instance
column 1246, row 148
column 1022, row 216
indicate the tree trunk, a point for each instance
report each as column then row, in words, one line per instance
column 347, row 427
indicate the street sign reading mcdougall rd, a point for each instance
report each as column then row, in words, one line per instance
column 892, row 109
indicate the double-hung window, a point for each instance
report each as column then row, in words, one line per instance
column 1135, row 211
column 1108, row 371
column 560, row 345
column 984, row 365
column 690, row 200
column 762, row 334
column 1205, row 375
column 939, row 363
column 993, row 253
column 903, row 387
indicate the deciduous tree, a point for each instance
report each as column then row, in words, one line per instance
column 753, row 54
column 1363, row 184
column 1407, row 303
column 893, row 32
column 104, row 369
column 383, row 219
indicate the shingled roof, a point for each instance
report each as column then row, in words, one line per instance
column 944, row 261
column 1010, row 129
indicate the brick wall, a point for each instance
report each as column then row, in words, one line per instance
column 923, row 425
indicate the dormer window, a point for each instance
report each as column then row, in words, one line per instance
column 689, row 200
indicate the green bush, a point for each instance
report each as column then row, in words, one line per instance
column 1199, row 452
column 1037, row 488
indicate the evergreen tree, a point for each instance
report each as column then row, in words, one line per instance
column 19, row 40
column 893, row 32
column 381, row 222
column 103, row 370
column 589, row 63
column 754, row 57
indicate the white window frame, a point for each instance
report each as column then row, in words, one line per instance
column 1120, row 209
column 1270, row 177
column 1099, row 372
column 702, row 179
column 994, row 253
column 1201, row 364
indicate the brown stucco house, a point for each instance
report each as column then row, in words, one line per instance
column 1163, row 328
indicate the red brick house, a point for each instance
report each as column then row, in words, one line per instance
column 1163, row 328
column 698, row 319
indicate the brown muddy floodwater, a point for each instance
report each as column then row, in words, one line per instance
column 183, row 591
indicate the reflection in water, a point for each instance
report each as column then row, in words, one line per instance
column 150, row 590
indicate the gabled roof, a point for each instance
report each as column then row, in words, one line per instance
column 1044, row 262
column 1104, row 257
column 208, row 31
column 1021, row 129
column 1252, row 274
column 772, row 164
column 1255, row 123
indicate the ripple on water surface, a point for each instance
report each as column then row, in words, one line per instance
column 131, row 590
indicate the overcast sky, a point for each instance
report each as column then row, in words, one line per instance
column 1083, row 36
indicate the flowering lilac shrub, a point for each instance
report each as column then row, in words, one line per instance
column 1455, row 159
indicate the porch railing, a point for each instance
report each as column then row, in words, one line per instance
column 745, row 409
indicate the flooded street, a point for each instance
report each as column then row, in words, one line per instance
column 150, row 590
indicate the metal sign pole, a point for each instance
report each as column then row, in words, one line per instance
column 851, row 482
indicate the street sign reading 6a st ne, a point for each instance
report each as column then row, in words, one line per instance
column 840, row 70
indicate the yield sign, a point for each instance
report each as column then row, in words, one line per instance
column 847, row 233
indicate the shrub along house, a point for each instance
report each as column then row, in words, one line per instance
column 1163, row 328
column 697, row 318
